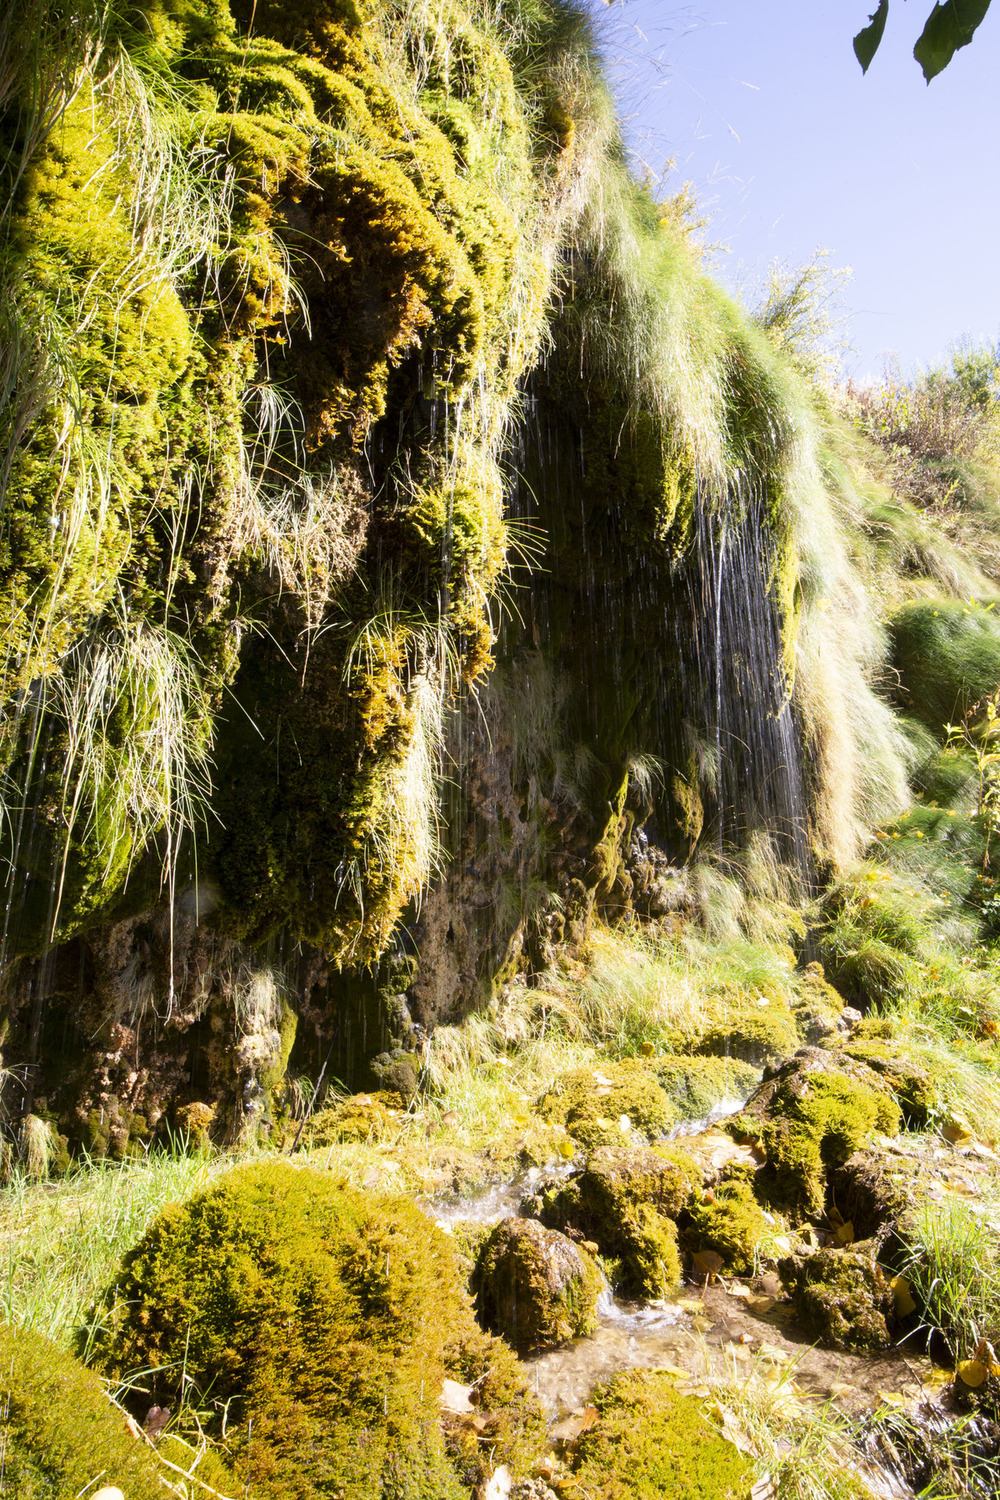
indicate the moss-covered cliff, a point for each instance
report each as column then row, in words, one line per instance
column 406, row 551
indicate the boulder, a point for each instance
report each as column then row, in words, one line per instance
column 841, row 1297
column 534, row 1286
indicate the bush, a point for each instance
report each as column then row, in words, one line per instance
column 324, row 1318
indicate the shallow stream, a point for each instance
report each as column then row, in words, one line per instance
column 704, row 1334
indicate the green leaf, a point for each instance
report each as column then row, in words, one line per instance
column 949, row 26
column 866, row 42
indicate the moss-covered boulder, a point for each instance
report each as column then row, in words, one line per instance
column 323, row 1319
column 697, row 1085
column 534, row 1286
column 916, row 1092
column 649, row 1442
column 841, row 1298
column 626, row 1201
column 59, row 1433
column 758, row 1036
column 729, row 1220
column 609, row 1104
column 810, row 1115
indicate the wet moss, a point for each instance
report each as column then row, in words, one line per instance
column 322, row 1317
column 754, row 1036
column 534, row 1286
column 608, row 1104
column 651, row 1442
column 58, row 1429
column 696, row 1085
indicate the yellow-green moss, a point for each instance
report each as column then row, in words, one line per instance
column 59, row 1433
column 321, row 1316
column 534, row 1286
column 652, row 1444
column 812, row 1116
column 606, row 1104
column 729, row 1220
column 626, row 1201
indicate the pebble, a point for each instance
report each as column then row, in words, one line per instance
column 110, row 1492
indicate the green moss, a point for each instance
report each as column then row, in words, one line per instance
column 626, row 1202
column 695, row 1085
column 915, row 1090
column 753, row 1036
column 729, row 1220
column 606, row 1104
column 841, row 1298
column 58, row 1430
column 813, row 1115
column 322, row 1318
column 534, row 1286
column 651, row 1442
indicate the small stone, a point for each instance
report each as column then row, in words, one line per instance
column 110, row 1492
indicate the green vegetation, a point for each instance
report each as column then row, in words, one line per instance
column 60, row 1434
column 650, row 1442
column 312, row 1318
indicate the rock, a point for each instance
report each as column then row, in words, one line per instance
column 867, row 1194
column 108, row 1493
column 626, row 1200
column 841, row 1297
column 535, row 1287
column 808, row 1115
column 531, row 1489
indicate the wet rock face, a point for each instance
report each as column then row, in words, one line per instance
column 534, row 1286
column 841, row 1297
column 626, row 1201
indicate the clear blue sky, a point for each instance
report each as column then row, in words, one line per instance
column 766, row 111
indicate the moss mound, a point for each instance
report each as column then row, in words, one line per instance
column 753, row 1036
column 608, row 1104
column 534, row 1286
column 695, row 1085
column 60, row 1436
column 651, row 1442
column 729, row 1220
column 841, row 1297
column 626, row 1201
column 812, row 1114
column 947, row 654
column 325, row 1318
